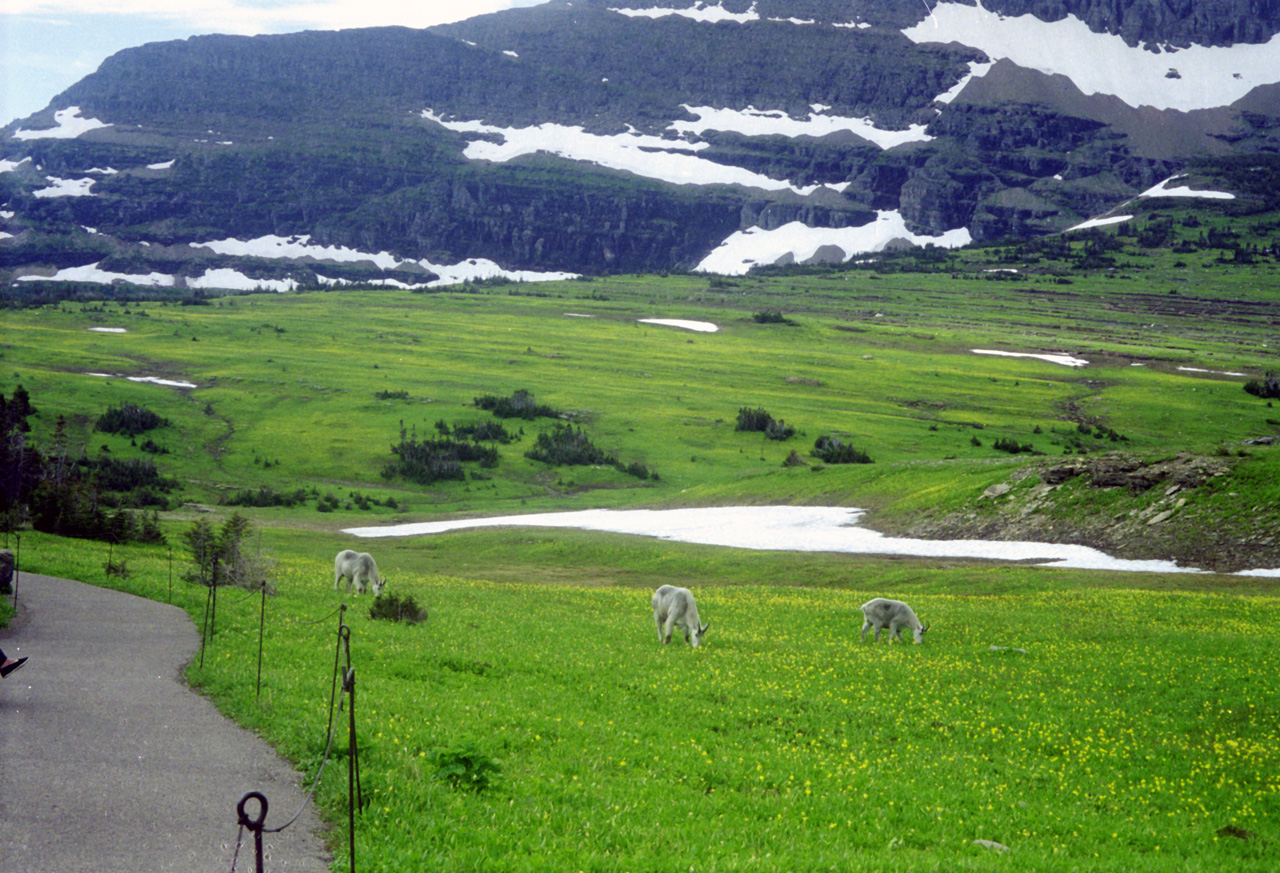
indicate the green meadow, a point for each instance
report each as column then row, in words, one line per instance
column 1137, row 729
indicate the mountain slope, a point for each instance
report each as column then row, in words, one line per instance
column 588, row 137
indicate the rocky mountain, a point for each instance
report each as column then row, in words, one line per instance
column 590, row 136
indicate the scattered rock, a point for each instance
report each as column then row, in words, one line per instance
column 1160, row 517
column 1007, row 649
column 997, row 490
column 991, row 844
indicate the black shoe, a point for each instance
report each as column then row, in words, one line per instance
column 5, row 671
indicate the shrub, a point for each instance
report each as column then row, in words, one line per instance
column 779, row 430
column 1012, row 446
column 1268, row 388
column 264, row 496
column 833, row 451
column 520, row 404
column 565, row 444
column 392, row 607
column 771, row 316
column 427, row 461
column 129, row 419
column 753, row 419
column 464, row 766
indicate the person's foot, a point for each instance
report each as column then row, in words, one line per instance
column 10, row 665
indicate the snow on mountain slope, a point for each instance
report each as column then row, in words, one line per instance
column 795, row 242
column 1198, row 77
column 649, row 156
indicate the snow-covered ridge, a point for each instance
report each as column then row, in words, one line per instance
column 799, row 243
column 698, row 12
column 1198, row 77
column 69, row 126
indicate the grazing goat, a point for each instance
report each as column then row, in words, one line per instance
column 674, row 607
column 892, row 614
column 359, row 570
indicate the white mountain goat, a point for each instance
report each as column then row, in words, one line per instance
column 359, row 570
column 674, row 607
column 892, row 614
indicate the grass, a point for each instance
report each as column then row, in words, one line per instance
column 1138, row 731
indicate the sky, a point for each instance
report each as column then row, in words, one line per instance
column 48, row 45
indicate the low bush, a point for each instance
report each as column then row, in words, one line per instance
column 832, row 450
column 129, row 419
column 465, row 766
column 393, row 607
column 521, row 404
column 1268, row 388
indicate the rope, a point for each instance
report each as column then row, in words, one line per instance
column 344, row 642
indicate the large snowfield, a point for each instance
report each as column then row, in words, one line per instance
column 788, row 528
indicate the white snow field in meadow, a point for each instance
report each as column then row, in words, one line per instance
column 1198, row 77
column 1064, row 360
column 788, row 528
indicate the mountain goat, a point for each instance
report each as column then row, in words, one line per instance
column 892, row 614
column 359, row 570
column 674, row 607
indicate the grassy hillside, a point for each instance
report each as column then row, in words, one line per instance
column 1136, row 731
column 312, row 390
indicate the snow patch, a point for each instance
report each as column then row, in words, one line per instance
column 66, row 188
column 977, row 70
column 233, row 280
column 69, row 126
column 165, row 165
column 1163, row 190
column 699, row 326
column 754, row 246
column 1098, row 222
column 698, row 12
column 1211, row 372
column 755, row 122
column 785, row 528
column 301, row 248
column 91, row 273
column 7, row 166
column 108, row 330
column 1064, row 360
column 1191, row 78
column 652, row 157
column 153, row 380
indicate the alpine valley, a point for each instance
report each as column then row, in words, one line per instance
column 589, row 137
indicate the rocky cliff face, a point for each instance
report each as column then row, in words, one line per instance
column 584, row 137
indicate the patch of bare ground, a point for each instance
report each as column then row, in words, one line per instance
column 1120, row 504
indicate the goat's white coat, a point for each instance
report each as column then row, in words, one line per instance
column 674, row 607
column 359, row 569
column 880, row 613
